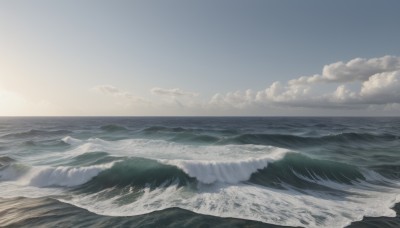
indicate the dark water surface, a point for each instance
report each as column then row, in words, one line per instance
column 199, row 172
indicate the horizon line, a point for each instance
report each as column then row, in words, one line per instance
column 192, row 116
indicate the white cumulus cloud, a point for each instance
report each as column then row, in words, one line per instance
column 357, row 69
column 382, row 88
column 236, row 99
column 359, row 84
column 378, row 79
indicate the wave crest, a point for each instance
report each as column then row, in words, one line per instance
column 138, row 173
column 71, row 141
column 51, row 176
column 231, row 172
column 65, row 176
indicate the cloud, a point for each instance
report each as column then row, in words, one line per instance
column 382, row 88
column 172, row 92
column 125, row 98
column 236, row 99
column 378, row 80
column 177, row 98
column 170, row 98
column 371, row 85
column 109, row 90
column 357, row 69
column 277, row 93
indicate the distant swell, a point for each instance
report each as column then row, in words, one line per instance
column 162, row 129
column 154, row 129
column 223, row 137
column 294, row 141
column 45, row 144
column 188, row 137
column 113, row 128
column 36, row 133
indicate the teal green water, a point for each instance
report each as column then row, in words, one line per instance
column 188, row 172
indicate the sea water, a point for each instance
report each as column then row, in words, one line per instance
column 193, row 171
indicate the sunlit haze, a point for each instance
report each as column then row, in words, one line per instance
column 199, row 58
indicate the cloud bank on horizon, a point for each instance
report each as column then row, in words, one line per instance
column 357, row 87
column 357, row 84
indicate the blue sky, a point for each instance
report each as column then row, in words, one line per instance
column 199, row 57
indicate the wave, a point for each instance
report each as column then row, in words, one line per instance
column 291, row 141
column 138, row 173
column 62, row 176
column 262, row 165
column 36, row 133
column 136, row 186
column 299, row 171
column 154, row 129
column 50, row 212
column 5, row 161
column 65, row 176
column 293, row 207
column 181, row 144
column 195, row 138
column 92, row 158
column 225, row 171
column 46, row 143
column 163, row 129
column 391, row 171
column 113, row 128
column 362, row 137
column 71, row 141
column 279, row 170
column 162, row 149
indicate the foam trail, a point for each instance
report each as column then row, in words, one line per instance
column 282, row 207
column 12, row 190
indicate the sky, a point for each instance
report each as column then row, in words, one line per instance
column 199, row 58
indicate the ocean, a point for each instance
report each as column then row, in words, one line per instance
column 199, row 171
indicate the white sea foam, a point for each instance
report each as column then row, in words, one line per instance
column 43, row 176
column 208, row 164
column 12, row 189
column 161, row 149
column 70, row 140
column 13, row 172
column 225, row 166
column 283, row 207
column 232, row 171
column 64, row 176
